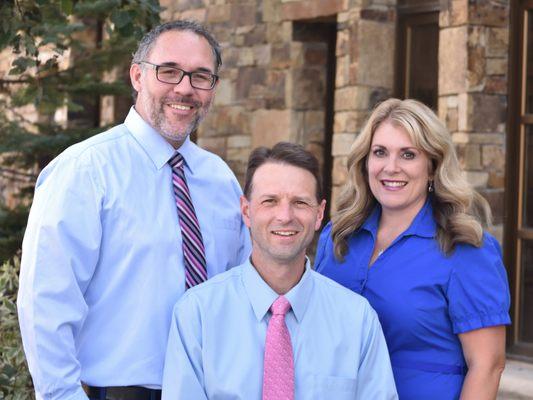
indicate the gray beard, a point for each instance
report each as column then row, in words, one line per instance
column 170, row 134
column 158, row 119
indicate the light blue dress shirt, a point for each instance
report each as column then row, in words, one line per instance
column 217, row 336
column 102, row 262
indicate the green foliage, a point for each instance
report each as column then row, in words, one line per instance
column 28, row 26
column 11, row 232
column 15, row 381
column 62, row 49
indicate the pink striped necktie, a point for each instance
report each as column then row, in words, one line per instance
column 193, row 246
column 278, row 373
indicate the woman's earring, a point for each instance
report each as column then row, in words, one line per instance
column 430, row 186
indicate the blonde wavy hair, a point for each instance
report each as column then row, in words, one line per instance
column 460, row 212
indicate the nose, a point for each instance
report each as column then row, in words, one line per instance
column 184, row 87
column 392, row 165
column 284, row 212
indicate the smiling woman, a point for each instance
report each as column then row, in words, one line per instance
column 398, row 175
column 409, row 236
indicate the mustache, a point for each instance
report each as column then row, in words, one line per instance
column 183, row 100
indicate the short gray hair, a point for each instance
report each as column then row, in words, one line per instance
column 147, row 42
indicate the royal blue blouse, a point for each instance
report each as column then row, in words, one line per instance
column 423, row 298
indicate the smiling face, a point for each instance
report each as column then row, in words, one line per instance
column 174, row 110
column 282, row 213
column 398, row 171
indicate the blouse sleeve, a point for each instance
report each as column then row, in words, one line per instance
column 320, row 257
column 478, row 291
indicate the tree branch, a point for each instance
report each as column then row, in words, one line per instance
column 18, row 175
column 14, row 81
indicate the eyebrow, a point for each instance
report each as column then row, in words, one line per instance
column 402, row 148
column 175, row 65
column 306, row 199
column 272, row 195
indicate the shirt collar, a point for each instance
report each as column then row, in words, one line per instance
column 372, row 222
column 155, row 145
column 190, row 153
column 262, row 296
column 423, row 225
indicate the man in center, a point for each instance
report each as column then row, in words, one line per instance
column 272, row 328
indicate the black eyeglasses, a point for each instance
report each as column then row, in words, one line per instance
column 174, row 75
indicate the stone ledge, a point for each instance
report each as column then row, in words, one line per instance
column 517, row 381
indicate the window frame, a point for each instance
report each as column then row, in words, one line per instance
column 515, row 233
column 407, row 19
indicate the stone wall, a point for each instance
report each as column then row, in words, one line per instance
column 365, row 72
column 274, row 80
column 273, row 83
column 473, row 55
column 267, row 93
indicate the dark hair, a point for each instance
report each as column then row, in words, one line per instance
column 283, row 153
column 148, row 41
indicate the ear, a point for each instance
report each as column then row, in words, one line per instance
column 135, row 76
column 245, row 210
column 320, row 214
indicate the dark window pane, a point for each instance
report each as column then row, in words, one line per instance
column 526, row 290
column 528, row 178
column 423, row 64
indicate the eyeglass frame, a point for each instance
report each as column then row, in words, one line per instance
column 185, row 73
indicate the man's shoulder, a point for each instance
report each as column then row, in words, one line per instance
column 209, row 161
column 104, row 140
column 215, row 287
column 101, row 144
column 346, row 308
column 204, row 153
column 89, row 153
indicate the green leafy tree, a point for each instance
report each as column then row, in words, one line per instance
column 96, row 37
column 63, row 54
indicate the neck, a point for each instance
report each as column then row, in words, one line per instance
column 281, row 277
column 175, row 143
column 398, row 221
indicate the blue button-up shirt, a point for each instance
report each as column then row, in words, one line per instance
column 102, row 262
column 217, row 337
column 423, row 298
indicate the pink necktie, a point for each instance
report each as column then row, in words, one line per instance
column 278, row 374
column 193, row 246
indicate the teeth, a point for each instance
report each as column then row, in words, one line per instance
column 284, row 233
column 394, row 184
column 180, row 107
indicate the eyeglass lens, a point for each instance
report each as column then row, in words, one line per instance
column 199, row 80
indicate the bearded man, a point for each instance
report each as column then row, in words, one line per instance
column 122, row 224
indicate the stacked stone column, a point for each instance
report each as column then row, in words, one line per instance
column 473, row 54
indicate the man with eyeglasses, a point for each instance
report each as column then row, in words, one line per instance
column 122, row 224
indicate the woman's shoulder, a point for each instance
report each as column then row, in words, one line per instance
column 489, row 248
column 478, row 290
column 324, row 250
column 326, row 231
